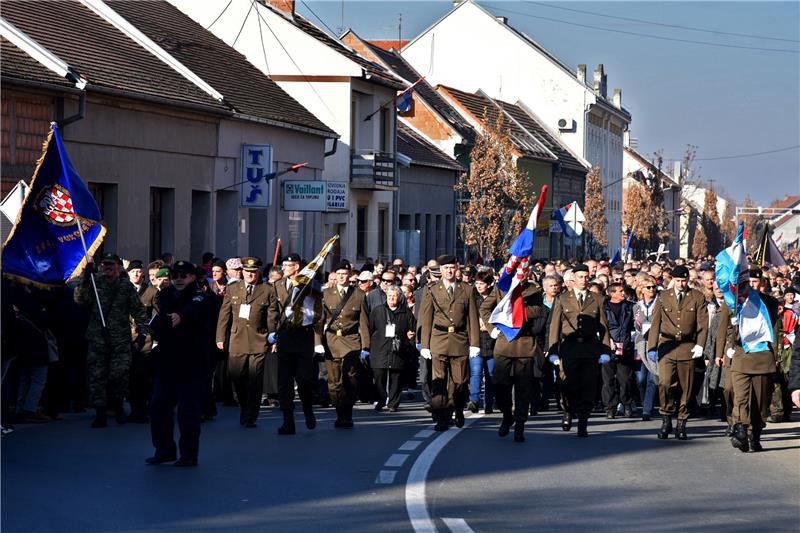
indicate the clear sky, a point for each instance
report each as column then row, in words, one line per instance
column 727, row 101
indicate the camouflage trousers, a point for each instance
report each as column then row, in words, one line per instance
column 109, row 372
column 781, row 397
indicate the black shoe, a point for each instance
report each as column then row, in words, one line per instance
column 459, row 418
column 378, row 407
column 505, row 425
column 185, row 462
column 288, row 424
column 533, row 411
column 611, row 414
column 250, row 424
column 666, row 427
column 566, row 422
column 441, row 425
column 754, row 440
column 739, row 438
column 583, row 424
column 488, row 411
column 159, row 459
column 628, row 412
column 311, row 420
column 519, row 431
column 100, row 419
column 680, row 430
column 645, row 418
column 473, row 407
column 393, row 409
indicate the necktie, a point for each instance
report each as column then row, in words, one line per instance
column 680, row 297
column 450, row 291
column 249, row 290
column 342, row 292
column 580, row 299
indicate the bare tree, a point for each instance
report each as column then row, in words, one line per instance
column 711, row 225
column 595, row 213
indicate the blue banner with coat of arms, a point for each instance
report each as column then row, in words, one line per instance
column 44, row 247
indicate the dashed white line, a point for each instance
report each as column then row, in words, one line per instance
column 457, row 525
column 424, row 434
column 386, row 477
column 410, row 445
column 396, row 459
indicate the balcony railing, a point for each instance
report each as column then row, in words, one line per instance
column 373, row 170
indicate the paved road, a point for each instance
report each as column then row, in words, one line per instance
column 64, row 476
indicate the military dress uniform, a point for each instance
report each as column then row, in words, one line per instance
column 109, row 354
column 249, row 313
column 296, row 339
column 449, row 326
column 679, row 324
column 346, row 336
column 751, row 378
column 181, row 361
column 514, row 360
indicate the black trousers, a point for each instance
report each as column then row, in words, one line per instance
column 223, row 388
column 579, row 377
column 141, row 382
column 617, row 383
column 188, row 398
column 425, row 378
column 247, row 374
column 516, row 373
column 300, row 367
column 388, row 393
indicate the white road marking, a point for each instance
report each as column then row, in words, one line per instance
column 410, row 445
column 416, row 506
column 396, row 459
column 386, row 477
column 457, row 525
column 424, row 434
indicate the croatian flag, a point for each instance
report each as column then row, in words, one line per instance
column 570, row 218
column 509, row 315
column 620, row 255
column 733, row 278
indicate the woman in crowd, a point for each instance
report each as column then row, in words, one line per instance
column 482, row 366
column 647, row 374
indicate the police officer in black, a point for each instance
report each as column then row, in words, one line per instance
column 183, row 331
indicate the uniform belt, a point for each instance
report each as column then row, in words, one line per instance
column 343, row 332
column 576, row 338
column 300, row 328
column 449, row 329
column 679, row 337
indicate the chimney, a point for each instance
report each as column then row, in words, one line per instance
column 617, row 98
column 457, row 2
column 581, row 75
column 677, row 173
column 600, row 80
column 502, row 20
column 287, row 6
column 626, row 137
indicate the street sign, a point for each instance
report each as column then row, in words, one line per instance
column 304, row 195
column 337, row 196
column 256, row 190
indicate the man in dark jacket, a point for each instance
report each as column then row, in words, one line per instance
column 618, row 374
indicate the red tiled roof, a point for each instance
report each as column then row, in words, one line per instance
column 16, row 65
column 388, row 44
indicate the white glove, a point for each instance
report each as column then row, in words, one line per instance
column 364, row 354
column 271, row 338
column 729, row 352
column 605, row 358
column 697, row 351
column 426, row 353
column 289, row 313
column 319, row 349
column 495, row 333
column 555, row 360
column 419, row 347
column 474, row 351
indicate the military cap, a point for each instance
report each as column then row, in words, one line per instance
column 343, row 265
column 789, row 289
column 756, row 273
column 680, row 272
column 135, row 264
column 184, row 267
column 436, row 271
column 234, row 263
column 219, row 263
column 111, row 258
column 251, row 264
column 365, row 275
column 581, row 268
column 163, row 272
column 469, row 270
column 292, row 258
column 447, row 259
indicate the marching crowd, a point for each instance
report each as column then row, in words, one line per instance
column 170, row 337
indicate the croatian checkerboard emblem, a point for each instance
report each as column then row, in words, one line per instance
column 55, row 204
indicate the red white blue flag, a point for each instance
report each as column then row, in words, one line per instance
column 509, row 315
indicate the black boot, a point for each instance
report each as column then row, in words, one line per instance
column 666, row 427
column 100, row 418
column 519, row 431
column 583, row 424
column 442, row 417
column 739, row 438
column 340, row 421
column 566, row 421
column 680, row 430
column 311, row 420
column 754, row 440
column 459, row 417
column 505, row 424
column 628, row 411
column 347, row 412
column 288, row 424
column 611, row 414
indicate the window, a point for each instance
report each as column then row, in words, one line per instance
column 386, row 141
column 361, row 232
column 106, row 197
column 296, row 232
column 162, row 221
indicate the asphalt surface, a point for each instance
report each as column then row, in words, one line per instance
column 64, row 476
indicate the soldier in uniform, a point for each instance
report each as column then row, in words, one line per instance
column 450, row 333
column 181, row 359
column 249, row 312
column 677, row 336
column 579, row 340
column 297, row 339
column 109, row 355
column 514, row 359
column 751, row 372
column 347, row 338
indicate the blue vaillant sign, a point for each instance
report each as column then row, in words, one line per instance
column 256, row 177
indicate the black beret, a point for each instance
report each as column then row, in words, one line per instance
column 220, row 263
column 680, row 272
column 251, row 264
column 135, row 264
column 184, row 267
column 468, row 270
column 447, row 260
column 756, row 273
column 343, row 265
column 581, row 268
column 368, row 267
column 111, row 258
column 293, row 258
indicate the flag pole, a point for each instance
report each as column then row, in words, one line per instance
column 277, row 251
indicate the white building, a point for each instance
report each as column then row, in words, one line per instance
column 787, row 225
column 694, row 201
column 471, row 49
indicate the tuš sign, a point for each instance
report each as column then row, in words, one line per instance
column 256, row 189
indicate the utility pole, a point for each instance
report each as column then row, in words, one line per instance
column 399, row 32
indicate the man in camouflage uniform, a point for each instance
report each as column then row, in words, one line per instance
column 109, row 356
